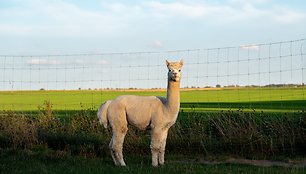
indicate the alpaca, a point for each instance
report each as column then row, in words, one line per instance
column 155, row 113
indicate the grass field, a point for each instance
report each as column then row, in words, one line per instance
column 67, row 138
column 268, row 99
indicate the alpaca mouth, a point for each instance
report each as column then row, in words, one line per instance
column 175, row 79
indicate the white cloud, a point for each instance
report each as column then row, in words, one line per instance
column 42, row 62
column 128, row 25
column 250, row 47
column 50, row 62
column 57, row 18
column 249, row 1
column 119, row 9
column 176, row 9
column 102, row 62
column 157, row 44
column 275, row 13
column 286, row 16
column 90, row 62
column 233, row 11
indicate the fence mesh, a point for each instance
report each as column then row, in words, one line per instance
column 224, row 77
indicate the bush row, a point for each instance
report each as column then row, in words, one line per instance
column 245, row 134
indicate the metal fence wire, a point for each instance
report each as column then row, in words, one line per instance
column 257, row 66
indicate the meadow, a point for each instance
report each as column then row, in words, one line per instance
column 268, row 99
column 45, row 129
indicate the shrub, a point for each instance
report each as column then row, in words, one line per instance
column 18, row 131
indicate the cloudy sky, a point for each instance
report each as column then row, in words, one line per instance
column 56, row 27
column 98, row 26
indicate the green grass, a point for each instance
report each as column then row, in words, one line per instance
column 76, row 143
column 58, row 162
column 269, row 99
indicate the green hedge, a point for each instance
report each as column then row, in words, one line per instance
column 241, row 133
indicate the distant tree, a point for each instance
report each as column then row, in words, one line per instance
column 218, row 86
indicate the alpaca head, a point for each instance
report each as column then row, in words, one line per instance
column 174, row 68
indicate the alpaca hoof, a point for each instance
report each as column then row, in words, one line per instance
column 155, row 164
column 120, row 165
column 123, row 165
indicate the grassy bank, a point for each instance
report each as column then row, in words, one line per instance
column 246, row 134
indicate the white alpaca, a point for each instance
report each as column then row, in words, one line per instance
column 155, row 113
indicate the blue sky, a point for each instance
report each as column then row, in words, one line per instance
column 52, row 27
column 75, row 26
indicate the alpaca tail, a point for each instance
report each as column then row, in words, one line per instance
column 102, row 113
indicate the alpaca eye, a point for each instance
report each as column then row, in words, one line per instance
column 179, row 70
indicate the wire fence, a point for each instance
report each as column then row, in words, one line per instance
column 212, row 78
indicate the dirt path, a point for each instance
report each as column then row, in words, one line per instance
column 261, row 163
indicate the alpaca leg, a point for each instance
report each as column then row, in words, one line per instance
column 113, row 153
column 116, row 147
column 161, row 155
column 118, row 122
column 120, row 154
column 155, row 144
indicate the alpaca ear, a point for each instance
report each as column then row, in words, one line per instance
column 167, row 63
column 181, row 62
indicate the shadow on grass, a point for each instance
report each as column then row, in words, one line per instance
column 285, row 105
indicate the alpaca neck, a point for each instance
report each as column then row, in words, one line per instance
column 173, row 96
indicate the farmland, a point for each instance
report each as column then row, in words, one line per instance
column 213, row 127
column 268, row 99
